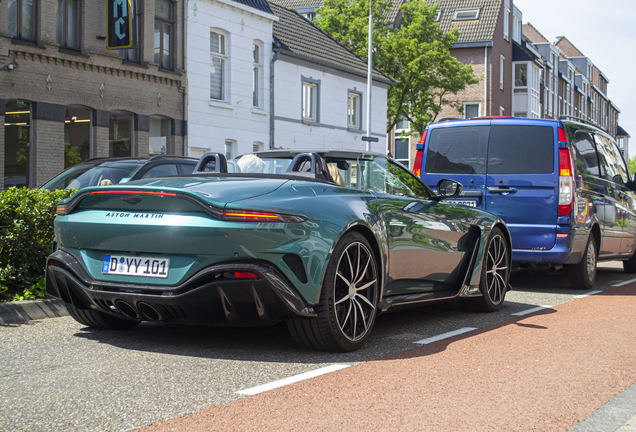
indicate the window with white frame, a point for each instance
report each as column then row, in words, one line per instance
column 521, row 78
column 401, row 141
column 502, row 60
column 466, row 14
column 502, row 111
column 506, row 23
column 353, row 111
column 471, row 109
column 229, row 149
column 257, row 75
column 218, row 59
column 257, row 146
column 521, row 114
column 516, row 29
column 310, row 101
column 438, row 15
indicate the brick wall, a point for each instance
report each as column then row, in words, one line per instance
column 77, row 78
column 48, row 154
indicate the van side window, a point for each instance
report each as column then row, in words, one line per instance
column 612, row 165
column 518, row 149
column 586, row 159
column 458, row 150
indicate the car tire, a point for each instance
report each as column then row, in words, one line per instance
column 583, row 274
column 97, row 319
column 347, row 308
column 630, row 265
column 495, row 274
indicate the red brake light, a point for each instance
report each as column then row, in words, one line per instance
column 566, row 182
column 258, row 216
column 132, row 192
column 417, row 166
column 60, row 210
column 562, row 136
column 245, row 275
column 423, row 139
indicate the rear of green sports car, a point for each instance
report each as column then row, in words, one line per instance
column 193, row 250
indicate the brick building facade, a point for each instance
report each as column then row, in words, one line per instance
column 64, row 97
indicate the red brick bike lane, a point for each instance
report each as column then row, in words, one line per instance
column 542, row 372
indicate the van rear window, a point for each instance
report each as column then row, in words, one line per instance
column 457, row 150
column 516, row 149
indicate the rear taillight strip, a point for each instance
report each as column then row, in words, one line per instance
column 132, row 192
column 257, row 216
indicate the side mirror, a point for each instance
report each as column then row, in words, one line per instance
column 447, row 189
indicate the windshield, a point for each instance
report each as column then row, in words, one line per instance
column 102, row 175
column 250, row 163
column 63, row 179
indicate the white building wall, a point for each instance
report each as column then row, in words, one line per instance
column 331, row 131
column 211, row 123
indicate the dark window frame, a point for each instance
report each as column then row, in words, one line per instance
column 65, row 24
column 19, row 29
column 163, row 22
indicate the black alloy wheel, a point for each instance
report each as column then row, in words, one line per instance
column 495, row 274
column 348, row 299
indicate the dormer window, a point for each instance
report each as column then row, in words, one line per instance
column 466, row 14
column 438, row 15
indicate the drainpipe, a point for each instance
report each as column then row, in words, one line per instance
column 485, row 79
column 276, row 51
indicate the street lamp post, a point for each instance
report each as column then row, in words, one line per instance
column 369, row 70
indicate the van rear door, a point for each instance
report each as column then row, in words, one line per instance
column 522, row 181
column 458, row 152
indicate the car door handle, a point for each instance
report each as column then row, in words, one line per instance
column 502, row 190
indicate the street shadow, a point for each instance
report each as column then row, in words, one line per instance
column 392, row 333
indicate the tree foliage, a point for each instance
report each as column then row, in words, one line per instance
column 632, row 165
column 416, row 55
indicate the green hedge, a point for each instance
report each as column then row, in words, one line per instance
column 26, row 238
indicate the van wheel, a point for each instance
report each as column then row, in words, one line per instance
column 630, row 265
column 583, row 274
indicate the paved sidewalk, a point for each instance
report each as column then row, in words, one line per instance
column 543, row 372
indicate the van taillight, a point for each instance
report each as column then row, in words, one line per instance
column 562, row 136
column 566, row 182
column 423, row 139
column 417, row 167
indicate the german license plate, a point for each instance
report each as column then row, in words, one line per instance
column 469, row 203
column 136, row 266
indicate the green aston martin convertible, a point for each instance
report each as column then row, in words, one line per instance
column 324, row 240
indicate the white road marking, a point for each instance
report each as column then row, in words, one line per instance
column 445, row 335
column 587, row 294
column 624, row 283
column 292, row 379
column 529, row 311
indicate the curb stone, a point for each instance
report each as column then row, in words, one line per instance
column 23, row 311
column 617, row 415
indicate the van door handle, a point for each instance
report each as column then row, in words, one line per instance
column 502, row 190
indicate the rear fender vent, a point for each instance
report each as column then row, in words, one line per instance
column 295, row 264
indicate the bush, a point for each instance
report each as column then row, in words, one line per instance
column 26, row 239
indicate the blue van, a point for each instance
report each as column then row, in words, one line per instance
column 561, row 186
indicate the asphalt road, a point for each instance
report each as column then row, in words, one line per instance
column 58, row 375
